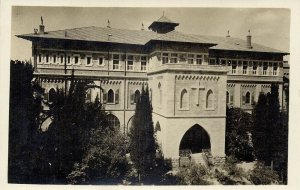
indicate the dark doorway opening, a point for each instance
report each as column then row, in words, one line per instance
column 195, row 140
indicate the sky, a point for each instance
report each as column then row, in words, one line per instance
column 269, row 27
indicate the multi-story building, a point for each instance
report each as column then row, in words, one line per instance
column 191, row 77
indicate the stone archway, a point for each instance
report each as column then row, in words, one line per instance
column 195, row 140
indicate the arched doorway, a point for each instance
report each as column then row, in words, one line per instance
column 195, row 140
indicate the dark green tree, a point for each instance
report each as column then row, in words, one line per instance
column 142, row 141
column 260, row 130
column 238, row 141
column 24, row 110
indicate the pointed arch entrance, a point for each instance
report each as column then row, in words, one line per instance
column 195, row 140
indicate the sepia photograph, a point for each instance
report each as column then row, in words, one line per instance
column 149, row 96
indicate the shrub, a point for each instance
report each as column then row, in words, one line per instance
column 262, row 175
column 193, row 175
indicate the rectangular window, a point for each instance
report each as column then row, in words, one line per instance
column 143, row 63
column 100, row 61
column 76, row 59
column 61, row 59
column 116, row 59
column 165, row 58
column 212, row 61
column 130, row 62
column 265, row 68
column 229, row 63
column 40, row 58
column 54, row 59
column 199, row 59
column 275, row 68
column 47, row 58
column 190, row 59
column 88, row 60
column 69, row 59
column 233, row 70
column 174, row 58
column 245, row 69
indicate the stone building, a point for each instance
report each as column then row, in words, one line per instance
column 191, row 77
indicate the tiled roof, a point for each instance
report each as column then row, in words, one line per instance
column 236, row 44
column 181, row 37
column 99, row 34
column 141, row 37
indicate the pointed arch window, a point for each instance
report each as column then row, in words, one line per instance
column 51, row 95
column 137, row 95
column 184, row 99
column 209, row 99
column 110, row 96
column 248, row 98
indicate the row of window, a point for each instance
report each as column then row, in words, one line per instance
column 247, row 98
column 90, row 60
column 184, row 58
column 184, row 100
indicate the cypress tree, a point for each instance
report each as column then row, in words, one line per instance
column 142, row 142
column 260, row 128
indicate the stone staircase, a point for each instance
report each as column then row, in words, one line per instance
column 199, row 158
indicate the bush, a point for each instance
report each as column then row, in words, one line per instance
column 230, row 174
column 193, row 175
column 262, row 175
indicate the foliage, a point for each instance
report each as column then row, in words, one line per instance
column 142, row 142
column 270, row 132
column 24, row 109
column 262, row 175
column 105, row 160
column 195, row 174
column 238, row 141
column 230, row 174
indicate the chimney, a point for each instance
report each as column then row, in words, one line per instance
column 227, row 34
column 108, row 24
column 249, row 45
column 42, row 27
column 142, row 26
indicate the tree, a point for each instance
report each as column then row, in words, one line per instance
column 238, row 141
column 142, row 142
column 24, row 109
column 260, row 129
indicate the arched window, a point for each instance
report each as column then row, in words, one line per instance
column 113, row 121
column 209, row 99
column 248, row 98
column 159, row 93
column 110, row 96
column 227, row 97
column 51, row 96
column 137, row 95
column 184, row 99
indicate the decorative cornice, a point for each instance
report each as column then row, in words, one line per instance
column 197, row 77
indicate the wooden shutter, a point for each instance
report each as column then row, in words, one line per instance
column 131, row 97
column 243, row 98
column 104, row 97
column 117, row 96
column 231, row 98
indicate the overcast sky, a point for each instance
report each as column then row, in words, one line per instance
column 269, row 27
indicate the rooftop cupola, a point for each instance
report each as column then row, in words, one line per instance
column 163, row 25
